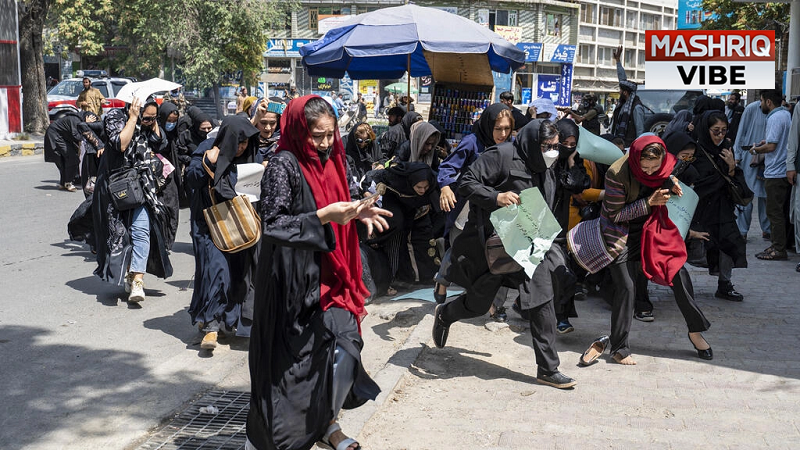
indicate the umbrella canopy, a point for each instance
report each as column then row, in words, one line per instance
column 144, row 89
column 397, row 88
column 386, row 43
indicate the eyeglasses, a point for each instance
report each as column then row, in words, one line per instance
column 687, row 158
column 548, row 147
column 718, row 131
column 362, row 141
column 148, row 119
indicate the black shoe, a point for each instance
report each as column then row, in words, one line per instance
column 440, row 298
column 500, row 315
column 797, row 269
column 557, row 380
column 728, row 293
column 644, row 316
column 517, row 307
column 440, row 329
column 706, row 354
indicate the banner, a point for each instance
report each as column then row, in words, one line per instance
column 527, row 230
column 511, row 34
column 565, row 89
column 681, row 209
column 594, row 148
column 248, row 180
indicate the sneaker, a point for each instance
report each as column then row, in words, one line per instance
column 128, row 280
column 644, row 316
column 137, row 291
column 69, row 187
column 557, row 380
column 209, row 341
column 500, row 315
column 565, row 327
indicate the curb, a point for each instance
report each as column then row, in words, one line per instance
column 22, row 149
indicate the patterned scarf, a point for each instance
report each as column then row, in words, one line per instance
column 627, row 109
column 142, row 158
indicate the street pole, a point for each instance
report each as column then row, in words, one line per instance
column 793, row 49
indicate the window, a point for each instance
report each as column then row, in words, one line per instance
column 630, row 22
column 502, row 17
column 629, row 58
column 605, row 56
column 667, row 22
column 329, row 11
column 586, row 54
column 313, row 18
column 587, row 13
column 640, row 63
column 648, row 22
column 554, row 24
column 117, row 85
column 611, row 17
column 102, row 87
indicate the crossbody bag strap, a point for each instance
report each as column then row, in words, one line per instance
column 710, row 158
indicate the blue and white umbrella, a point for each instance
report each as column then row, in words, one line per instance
column 389, row 42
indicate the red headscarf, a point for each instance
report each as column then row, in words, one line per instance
column 341, row 284
column 657, row 179
column 663, row 249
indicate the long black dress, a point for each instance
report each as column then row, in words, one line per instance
column 293, row 341
column 61, row 142
column 224, row 284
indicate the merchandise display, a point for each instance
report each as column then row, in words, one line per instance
column 457, row 107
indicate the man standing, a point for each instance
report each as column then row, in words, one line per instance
column 588, row 114
column 627, row 122
column 507, row 98
column 734, row 111
column 339, row 101
column 752, row 129
column 777, row 186
column 90, row 99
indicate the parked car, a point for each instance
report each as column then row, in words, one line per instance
column 62, row 97
column 661, row 105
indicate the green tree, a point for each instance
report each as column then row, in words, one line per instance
column 32, row 16
column 82, row 24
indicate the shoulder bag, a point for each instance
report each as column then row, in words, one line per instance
column 126, row 189
column 234, row 225
column 498, row 260
column 737, row 190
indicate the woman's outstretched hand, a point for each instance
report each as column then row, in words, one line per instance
column 339, row 212
column 658, row 198
column 373, row 218
column 447, row 199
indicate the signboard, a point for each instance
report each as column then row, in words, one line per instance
column 325, row 84
column 547, row 86
column 425, row 86
column 533, row 50
column 331, row 22
column 559, row 53
column 502, row 83
column 482, row 17
column 369, row 90
column 565, row 88
column 511, row 34
column 691, row 14
column 526, row 95
column 346, row 84
column 285, row 48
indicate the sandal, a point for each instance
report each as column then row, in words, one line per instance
column 594, row 351
column 773, row 255
column 344, row 444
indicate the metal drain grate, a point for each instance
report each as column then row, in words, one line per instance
column 195, row 430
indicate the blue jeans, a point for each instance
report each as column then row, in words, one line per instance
column 140, row 237
column 744, row 215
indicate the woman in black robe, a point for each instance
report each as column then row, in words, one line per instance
column 305, row 350
column 494, row 181
column 716, row 211
column 61, row 142
column 191, row 133
column 168, row 120
column 122, row 239
column 224, row 286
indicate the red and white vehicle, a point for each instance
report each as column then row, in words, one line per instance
column 62, row 97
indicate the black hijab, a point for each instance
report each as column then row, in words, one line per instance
column 410, row 119
column 677, row 141
column 484, row 127
column 703, row 135
column 166, row 110
column 198, row 117
column 529, row 148
column 234, row 129
column 403, row 176
column 566, row 128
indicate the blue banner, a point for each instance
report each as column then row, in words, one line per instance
column 565, row 88
column 285, row 48
column 564, row 54
column 690, row 14
column 533, row 50
column 547, row 86
column 502, row 83
column 526, row 96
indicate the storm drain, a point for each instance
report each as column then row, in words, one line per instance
column 216, row 421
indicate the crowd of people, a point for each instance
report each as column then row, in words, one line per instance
column 349, row 218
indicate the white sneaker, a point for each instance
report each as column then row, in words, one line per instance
column 137, row 291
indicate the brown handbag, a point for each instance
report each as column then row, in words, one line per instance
column 234, row 225
column 500, row 263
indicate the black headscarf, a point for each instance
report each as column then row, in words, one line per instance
column 566, row 128
column 703, row 135
column 234, row 129
column 198, row 117
column 86, row 114
column 529, row 148
column 677, row 141
column 410, row 119
column 166, row 110
column 484, row 127
column 401, row 178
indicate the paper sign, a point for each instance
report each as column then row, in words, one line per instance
column 681, row 209
column 527, row 230
column 248, row 180
column 594, row 148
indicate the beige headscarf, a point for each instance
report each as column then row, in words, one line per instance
column 420, row 133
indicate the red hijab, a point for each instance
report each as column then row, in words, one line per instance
column 663, row 249
column 341, row 284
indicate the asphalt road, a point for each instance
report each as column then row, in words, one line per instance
column 80, row 367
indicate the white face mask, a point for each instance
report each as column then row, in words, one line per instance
column 550, row 157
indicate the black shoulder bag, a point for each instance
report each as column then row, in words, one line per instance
column 737, row 189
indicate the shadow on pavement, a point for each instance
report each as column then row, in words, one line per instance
column 402, row 319
column 106, row 293
column 454, row 362
column 44, row 391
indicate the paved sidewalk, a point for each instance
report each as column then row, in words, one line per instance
column 29, row 147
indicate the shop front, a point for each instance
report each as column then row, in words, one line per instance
column 547, row 73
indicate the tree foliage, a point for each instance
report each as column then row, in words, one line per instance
column 730, row 15
column 82, row 25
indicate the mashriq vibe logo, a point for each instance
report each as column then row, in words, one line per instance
column 706, row 59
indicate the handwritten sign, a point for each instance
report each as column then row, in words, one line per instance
column 527, row 230
column 248, row 180
column 681, row 209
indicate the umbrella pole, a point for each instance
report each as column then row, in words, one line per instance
column 408, row 79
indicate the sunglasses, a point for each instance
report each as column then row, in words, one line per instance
column 688, row 159
column 548, row 147
column 148, row 119
column 718, row 131
column 362, row 141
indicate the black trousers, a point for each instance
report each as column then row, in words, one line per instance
column 67, row 168
column 624, row 275
column 778, row 194
column 477, row 301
